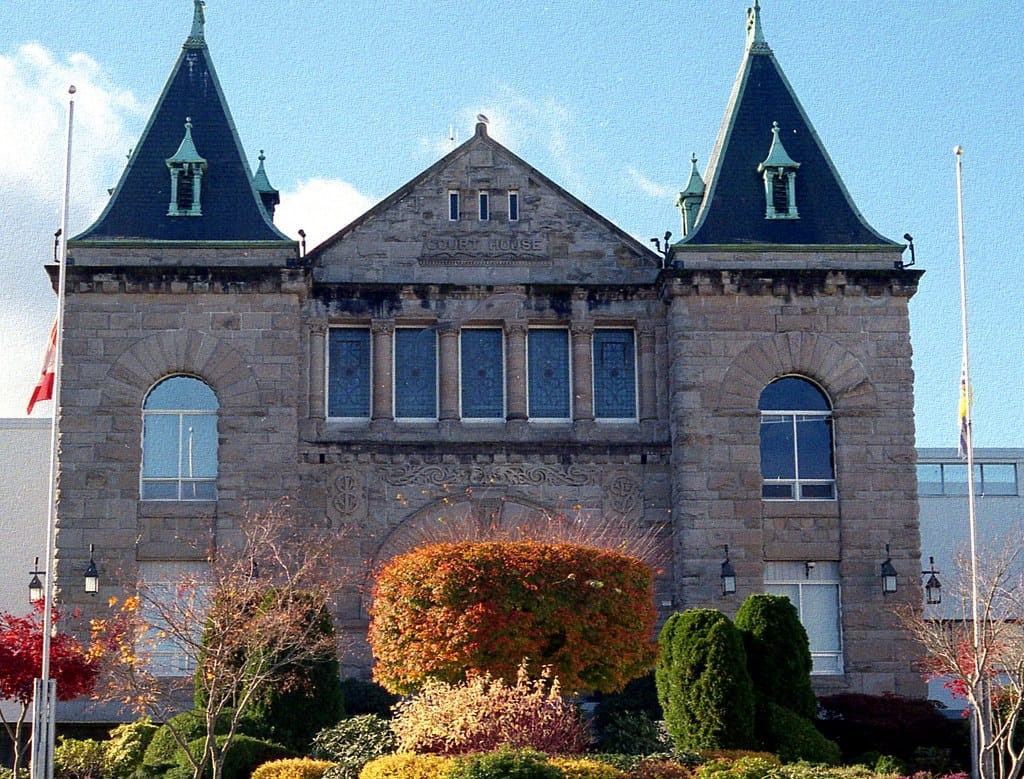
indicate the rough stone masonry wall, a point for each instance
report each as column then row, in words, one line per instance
column 731, row 334
column 120, row 339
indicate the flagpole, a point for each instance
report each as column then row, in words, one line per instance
column 982, row 758
column 45, row 693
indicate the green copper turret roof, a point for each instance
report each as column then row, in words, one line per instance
column 765, row 122
column 231, row 206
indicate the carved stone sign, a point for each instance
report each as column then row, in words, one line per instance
column 472, row 250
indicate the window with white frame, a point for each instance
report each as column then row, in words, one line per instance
column 813, row 587
column 797, row 461
column 348, row 372
column 482, row 373
column 415, row 373
column 547, row 365
column 614, row 373
column 179, row 441
column 173, row 598
column 513, row 205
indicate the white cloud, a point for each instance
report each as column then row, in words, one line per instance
column 649, row 187
column 321, row 207
column 523, row 123
column 33, row 143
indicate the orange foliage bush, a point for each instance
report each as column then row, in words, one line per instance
column 445, row 610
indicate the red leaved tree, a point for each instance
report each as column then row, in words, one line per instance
column 21, row 656
column 447, row 610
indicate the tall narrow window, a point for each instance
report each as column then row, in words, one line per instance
column 814, row 589
column 483, row 373
column 415, row 373
column 171, row 594
column 453, row 205
column 548, row 368
column 614, row 374
column 484, row 199
column 179, row 441
column 348, row 365
column 513, row 205
column 797, row 461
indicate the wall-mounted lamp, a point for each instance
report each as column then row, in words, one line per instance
column 808, row 567
column 888, row 574
column 728, row 575
column 35, row 585
column 92, row 576
column 932, row 586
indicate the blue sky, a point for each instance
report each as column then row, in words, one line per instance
column 607, row 98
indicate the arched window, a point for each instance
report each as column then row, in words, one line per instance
column 796, row 441
column 179, row 441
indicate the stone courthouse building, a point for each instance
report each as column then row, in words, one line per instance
column 481, row 344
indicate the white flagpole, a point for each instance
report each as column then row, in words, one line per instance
column 981, row 757
column 45, row 698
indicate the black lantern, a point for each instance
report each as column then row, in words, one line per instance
column 92, row 576
column 728, row 575
column 888, row 574
column 35, row 585
column 932, row 586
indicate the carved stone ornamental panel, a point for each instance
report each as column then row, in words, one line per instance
column 622, row 493
column 346, row 495
column 505, row 475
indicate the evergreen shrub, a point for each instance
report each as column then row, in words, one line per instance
column 632, row 733
column 795, row 738
column 505, row 764
column 660, row 768
column 581, row 768
column 127, row 746
column 742, row 768
column 353, row 742
column 243, row 756
column 445, row 611
column 408, row 766
column 75, row 758
column 778, row 653
column 292, row 768
column 703, row 685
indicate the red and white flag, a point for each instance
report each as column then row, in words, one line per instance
column 44, row 389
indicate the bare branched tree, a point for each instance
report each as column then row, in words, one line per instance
column 985, row 670
column 248, row 620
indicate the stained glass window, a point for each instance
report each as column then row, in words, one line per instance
column 614, row 374
column 348, row 383
column 483, row 374
column 548, row 368
column 415, row 373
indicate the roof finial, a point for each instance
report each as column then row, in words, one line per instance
column 755, row 35
column 197, row 37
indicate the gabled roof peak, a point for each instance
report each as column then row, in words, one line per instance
column 197, row 38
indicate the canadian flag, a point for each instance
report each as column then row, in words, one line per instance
column 44, row 389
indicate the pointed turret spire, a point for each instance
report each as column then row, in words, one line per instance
column 188, row 196
column 755, row 35
column 690, row 198
column 270, row 196
column 751, row 198
column 197, row 38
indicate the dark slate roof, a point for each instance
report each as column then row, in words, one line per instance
column 231, row 208
column 733, row 211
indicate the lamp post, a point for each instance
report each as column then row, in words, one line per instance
column 932, row 585
column 45, row 687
